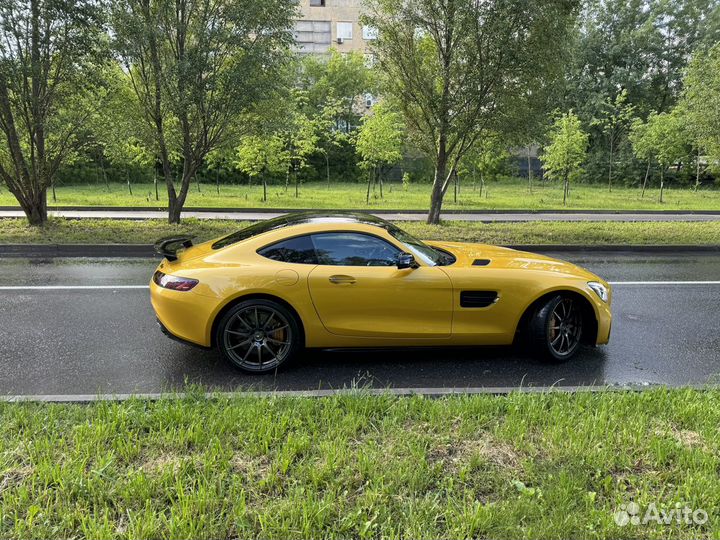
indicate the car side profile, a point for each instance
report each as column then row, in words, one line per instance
column 334, row 280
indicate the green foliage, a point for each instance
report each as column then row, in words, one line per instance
column 563, row 157
column 457, row 69
column 701, row 103
column 380, row 138
column 196, row 68
column 50, row 55
column 661, row 138
column 257, row 155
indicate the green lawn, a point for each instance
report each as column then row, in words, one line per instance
column 506, row 194
column 108, row 231
column 521, row 466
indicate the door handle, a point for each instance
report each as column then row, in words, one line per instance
column 341, row 279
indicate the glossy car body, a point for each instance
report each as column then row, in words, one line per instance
column 482, row 298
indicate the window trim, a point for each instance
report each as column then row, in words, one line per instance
column 400, row 248
column 337, row 30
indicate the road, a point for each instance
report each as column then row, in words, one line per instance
column 254, row 215
column 103, row 339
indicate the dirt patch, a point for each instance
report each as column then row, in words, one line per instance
column 14, row 476
column 454, row 454
column 251, row 466
column 160, row 463
column 685, row 437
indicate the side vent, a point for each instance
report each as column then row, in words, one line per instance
column 477, row 299
column 481, row 262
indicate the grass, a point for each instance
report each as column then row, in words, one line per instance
column 356, row 466
column 109, row 231
column 505, row 194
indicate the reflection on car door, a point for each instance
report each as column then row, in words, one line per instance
column 358, row 291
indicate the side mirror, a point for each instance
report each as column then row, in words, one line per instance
column 406, row 260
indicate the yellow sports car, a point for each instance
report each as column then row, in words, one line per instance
column 341, row 279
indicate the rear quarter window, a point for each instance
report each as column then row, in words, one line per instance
column 298, row 250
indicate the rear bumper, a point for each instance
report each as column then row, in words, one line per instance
column 185, row 316
column 172, row 336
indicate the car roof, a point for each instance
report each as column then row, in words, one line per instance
column 301, row 218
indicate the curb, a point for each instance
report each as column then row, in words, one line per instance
column 437, row 392
column 370, row 210
column 147, row 250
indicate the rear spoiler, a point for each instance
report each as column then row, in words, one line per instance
column 170, row 245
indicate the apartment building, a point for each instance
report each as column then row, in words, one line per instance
column 332, row 23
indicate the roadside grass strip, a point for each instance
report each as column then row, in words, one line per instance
column 109, row 231
column 525, row 465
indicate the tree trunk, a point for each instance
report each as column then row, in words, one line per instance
column 35, row 209
column 367, row 195
column 264, row 183
column 380, row 181
column 438, row 192
column 127, row 175
column 155, row 182
column 697, row 171
column 662, row 182
column 529, row 171
column 647, row 173
column 565, row 189
column 174, row 210
column 217, row 181
column 287, row 179
column 295, row 174
column 455, row 186
column 102, row 167
column 327, row 169
column 197, row 181
column 610, row 164
column 52, row 185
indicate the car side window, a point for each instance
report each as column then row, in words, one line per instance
column 354, row 249
column 299, row 250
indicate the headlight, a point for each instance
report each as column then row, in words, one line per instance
column 600, row 290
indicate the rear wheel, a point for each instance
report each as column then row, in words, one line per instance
column 258, row 335
column 555, row 330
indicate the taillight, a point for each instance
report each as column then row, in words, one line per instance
column 175, row 283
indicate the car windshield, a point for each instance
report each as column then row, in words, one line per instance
column 429, row 255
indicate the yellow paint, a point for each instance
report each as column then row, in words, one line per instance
column 371, row 306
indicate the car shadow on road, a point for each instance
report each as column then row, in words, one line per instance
column 399, row 368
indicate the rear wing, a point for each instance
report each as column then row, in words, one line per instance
column 170, row 245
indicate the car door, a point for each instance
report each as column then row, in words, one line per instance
column 358, row 290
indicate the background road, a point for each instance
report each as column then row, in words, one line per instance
column 86, row 341
column 498, row 216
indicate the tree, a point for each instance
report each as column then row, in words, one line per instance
column 663, row 139
column 259, row 155
column 299, row 134
column 701, row 102
column 195, row 67
column 379, row 142
column 459, row 68
column 563, row 157
column 50, row 54
column 485, row 158
column 615, row 118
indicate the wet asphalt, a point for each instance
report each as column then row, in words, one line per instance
column 106, row 341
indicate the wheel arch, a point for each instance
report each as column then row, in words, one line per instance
column 589, row 312
column 251, row 296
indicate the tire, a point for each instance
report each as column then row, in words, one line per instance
column 555, row 329
column 258, row 335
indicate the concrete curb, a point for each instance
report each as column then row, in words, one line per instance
column 398, row 392
column 371, row 210
column 147, row 251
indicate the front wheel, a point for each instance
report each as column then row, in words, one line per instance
column 258, row 336
column 555, row 330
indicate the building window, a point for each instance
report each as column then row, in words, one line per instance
column 312, row 36
column 317, row 3
column 369, row 33
column 344, row 30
